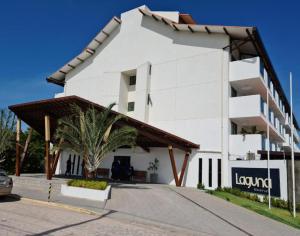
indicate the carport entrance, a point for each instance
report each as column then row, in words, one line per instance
column 43, row 116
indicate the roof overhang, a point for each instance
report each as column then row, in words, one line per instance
column 58, row 77
column 33, row 113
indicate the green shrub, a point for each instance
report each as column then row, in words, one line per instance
column 91, row 184
column 200, row 186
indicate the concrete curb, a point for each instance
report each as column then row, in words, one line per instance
column 57, row 205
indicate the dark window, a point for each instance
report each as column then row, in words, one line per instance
column 130, row 106
column 234, row 128
column 233, row 92
column 150, row 68
column 261, row 68
column 78, row 164
column 219, row 172
column 73, row 164
column 132, row 80
column 200, row 171
column 210, row 172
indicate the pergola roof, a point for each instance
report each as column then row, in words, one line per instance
column 33, row 114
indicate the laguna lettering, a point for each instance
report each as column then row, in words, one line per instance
column 252, row 182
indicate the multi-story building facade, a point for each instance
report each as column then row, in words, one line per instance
column 208, row 84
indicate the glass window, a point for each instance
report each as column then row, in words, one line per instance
column 132, row 80
column 233, row 92
column 130, row 106
column 234, row 128
column 261, row 68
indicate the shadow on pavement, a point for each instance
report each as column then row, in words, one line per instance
column 128, row 186
column 10, row 198
column 50, row 231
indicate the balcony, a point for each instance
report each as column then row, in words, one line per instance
column 240, row 145
column 250, row 111
column 248, row 77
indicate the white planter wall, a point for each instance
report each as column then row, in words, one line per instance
column 91, row 194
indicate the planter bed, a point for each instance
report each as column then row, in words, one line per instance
column 86, row 193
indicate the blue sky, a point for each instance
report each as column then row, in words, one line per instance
column 37, row 37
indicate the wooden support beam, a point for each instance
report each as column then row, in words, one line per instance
column 165, row 21
column 175, row 27
column 186, row 157
column 25, row 150
column 18, row 159
column 207, row 30
column 106, row 34
column 191, row 29
column 56, row 158
column 174, row 169
column 47, row 147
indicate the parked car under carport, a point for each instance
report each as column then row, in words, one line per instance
column 6, row 183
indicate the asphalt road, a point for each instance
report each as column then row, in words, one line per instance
column 28, row 217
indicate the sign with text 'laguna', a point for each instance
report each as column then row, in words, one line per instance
column 255, row 180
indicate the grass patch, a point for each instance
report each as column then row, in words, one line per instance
column 91, row 184
column 278, row 214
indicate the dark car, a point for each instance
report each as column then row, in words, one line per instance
column 6, row 183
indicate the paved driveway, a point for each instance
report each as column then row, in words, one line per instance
column 30, row 218
column 184, row 208
column 192, row 209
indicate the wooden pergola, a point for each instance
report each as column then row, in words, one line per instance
column 43, row 115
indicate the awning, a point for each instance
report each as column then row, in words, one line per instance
column 33, row 113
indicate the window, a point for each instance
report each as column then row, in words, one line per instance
column 219, row 172
column 261, row 68
column 130, row 106
column 132, row 80
column 234, row 128
column 200, row 171
column 233, row 92
column 210, row 172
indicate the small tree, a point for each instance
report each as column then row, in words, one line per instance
column 7, row 126
column 153, row 166
column 90, row 134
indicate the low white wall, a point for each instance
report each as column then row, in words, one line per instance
column 278, row 164
column 91, row 194
column 241, row 144
column 245, row 106
column 244, row 69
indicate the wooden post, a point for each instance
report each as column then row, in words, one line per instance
column 186, row 157
column 171, row 154
column 47, row 147
column 25, row 151
column 18, row 133
column 56, row 157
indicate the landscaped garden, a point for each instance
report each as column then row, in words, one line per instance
column 279, row 210
column 90, row 184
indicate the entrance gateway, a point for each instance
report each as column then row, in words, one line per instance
column 43, row 116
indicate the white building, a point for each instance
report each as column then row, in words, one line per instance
column 207, row 84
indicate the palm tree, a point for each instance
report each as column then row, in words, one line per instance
column 89, row 133
column 7, row 125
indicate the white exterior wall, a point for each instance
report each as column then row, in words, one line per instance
column 276, row 164
column 186, row 69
